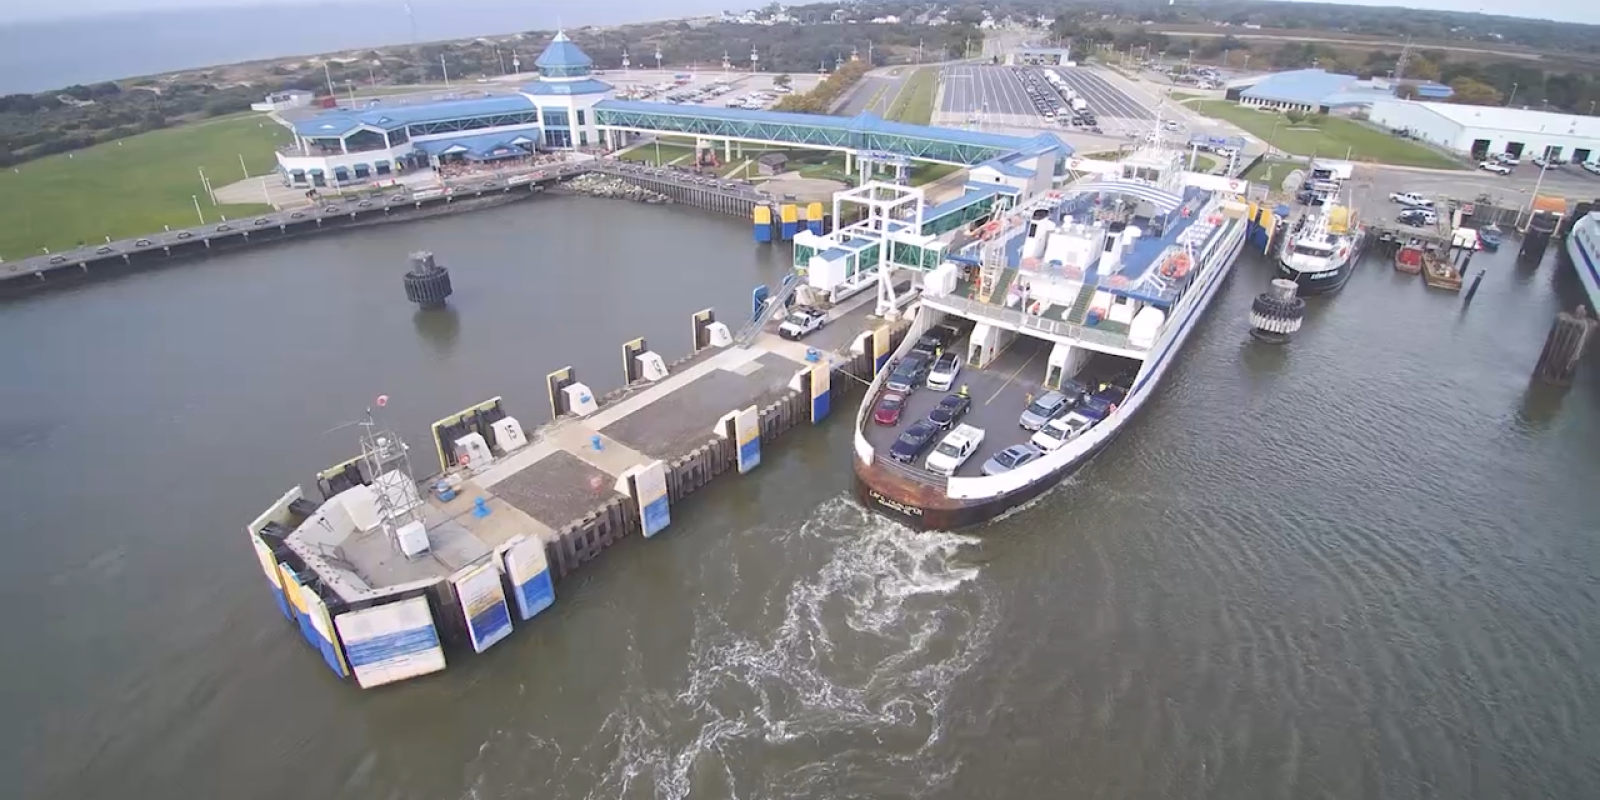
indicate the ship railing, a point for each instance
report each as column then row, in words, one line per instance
column 911, row 472
column 1030, row 322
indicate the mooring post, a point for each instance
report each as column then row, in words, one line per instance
column 1473, row 289
column 1564, row 347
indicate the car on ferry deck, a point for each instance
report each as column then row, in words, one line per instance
column 944, row 372
column 889, row 407
column 1061, row 430
column 951, row 408
column 954, row 450
column 909, row 373
column 913, row 441
column 1010, row 458
column 1043, row 409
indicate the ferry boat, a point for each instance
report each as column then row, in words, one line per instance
column 1067, row 313
column 1322, row 252
column 1583, row 248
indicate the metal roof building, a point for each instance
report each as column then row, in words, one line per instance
column 1311, row 90
column 1481, row 130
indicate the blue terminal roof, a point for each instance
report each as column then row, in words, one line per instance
column 383, row 117
column 581, row 86
column 483, row 144
column 1307, row 86
column 562, row 54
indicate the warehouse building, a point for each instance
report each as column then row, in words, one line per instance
column 1479, row 131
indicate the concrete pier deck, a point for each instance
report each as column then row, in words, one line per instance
column 560, row 477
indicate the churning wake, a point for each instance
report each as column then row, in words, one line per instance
column 839, row 678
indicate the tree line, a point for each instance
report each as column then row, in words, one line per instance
column 75, row 117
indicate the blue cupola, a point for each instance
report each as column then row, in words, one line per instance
column 563, row 59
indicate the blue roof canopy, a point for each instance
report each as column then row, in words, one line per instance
column 394, row 117
column 580, row 86
column 562, row 54
column 479, row 146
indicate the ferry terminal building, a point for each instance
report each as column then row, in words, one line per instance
column 360, row 145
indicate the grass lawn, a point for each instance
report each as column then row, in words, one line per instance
column 669, row 149
column 923, row 173
column 1182, row 96
column 131, row 187
column 915, row 102
column 1331, row 137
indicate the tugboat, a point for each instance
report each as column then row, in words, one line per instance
column 1322, row 252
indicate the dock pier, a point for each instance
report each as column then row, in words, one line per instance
column 1564, row 347
column 485, row 540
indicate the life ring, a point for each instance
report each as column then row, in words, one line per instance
column 463, row 459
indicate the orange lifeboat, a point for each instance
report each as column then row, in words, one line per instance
column 1177, row 266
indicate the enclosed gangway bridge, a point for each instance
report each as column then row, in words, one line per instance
column 863, row 133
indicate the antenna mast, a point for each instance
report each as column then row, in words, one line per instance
column 388, row 464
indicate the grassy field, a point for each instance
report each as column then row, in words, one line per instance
column 127, row 188
column 668, row 149
column 915, row 101
column 1331, row 137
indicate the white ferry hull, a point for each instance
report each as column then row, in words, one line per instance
column 1583, row 249
column 926, row 507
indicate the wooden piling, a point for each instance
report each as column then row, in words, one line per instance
column 1564, row 347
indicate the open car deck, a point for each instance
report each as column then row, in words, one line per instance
column 1000, row 393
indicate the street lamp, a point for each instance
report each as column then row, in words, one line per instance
column 1513, row 95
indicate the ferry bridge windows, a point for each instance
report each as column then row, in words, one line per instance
column 1133, row 173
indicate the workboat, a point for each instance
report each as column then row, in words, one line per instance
column 1067, row 311
column 1583, row 248
column 1322, row 250
column 1408, row 258
column 1439, row 272
column 1490, row 237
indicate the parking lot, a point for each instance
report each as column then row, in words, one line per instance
column 1371, row 186
column 1107, row 100
column 987, row 95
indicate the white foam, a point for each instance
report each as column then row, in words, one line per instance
column 848, row 662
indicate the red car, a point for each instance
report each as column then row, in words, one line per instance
column 889, row 406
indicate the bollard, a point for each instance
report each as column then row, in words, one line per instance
column 594, row 442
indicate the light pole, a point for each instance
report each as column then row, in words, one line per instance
column 1513, row 95
column 197, row 211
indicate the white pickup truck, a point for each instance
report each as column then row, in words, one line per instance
column 1410, row 200
column 954, row 450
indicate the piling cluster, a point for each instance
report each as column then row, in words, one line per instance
column 596, row 184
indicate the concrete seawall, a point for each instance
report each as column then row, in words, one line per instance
column 163, row 248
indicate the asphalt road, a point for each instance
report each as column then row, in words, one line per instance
column 874, row 93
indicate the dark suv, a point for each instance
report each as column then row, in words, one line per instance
column 910, row 372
